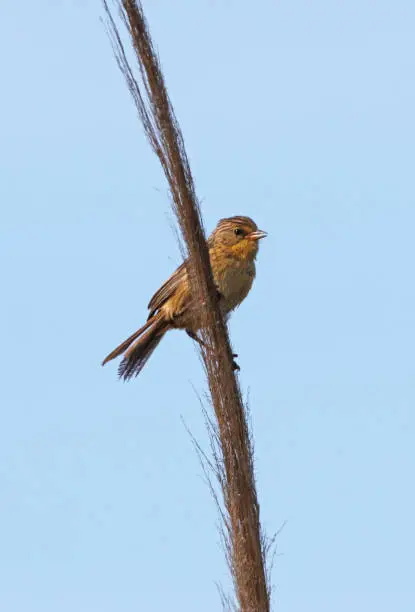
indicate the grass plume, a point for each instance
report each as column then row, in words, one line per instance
column 232, row 447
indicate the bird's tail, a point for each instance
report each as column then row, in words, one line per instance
column 139, row 346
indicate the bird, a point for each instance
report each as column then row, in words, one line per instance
column 233, row 247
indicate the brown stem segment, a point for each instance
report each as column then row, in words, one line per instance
column 245, row 541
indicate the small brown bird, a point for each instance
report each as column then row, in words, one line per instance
column 233, row 247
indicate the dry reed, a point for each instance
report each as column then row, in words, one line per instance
column 232, row 445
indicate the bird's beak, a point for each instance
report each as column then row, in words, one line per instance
column 256, row 235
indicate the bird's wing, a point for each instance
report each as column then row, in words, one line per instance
column 167, row 289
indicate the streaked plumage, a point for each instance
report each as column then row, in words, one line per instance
column 232, row 249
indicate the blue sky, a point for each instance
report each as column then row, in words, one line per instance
column 300, row 115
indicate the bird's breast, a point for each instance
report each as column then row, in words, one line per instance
column 234, row 282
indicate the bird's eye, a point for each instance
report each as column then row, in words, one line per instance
column 237, row 231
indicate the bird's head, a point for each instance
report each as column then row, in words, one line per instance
column 238, row 235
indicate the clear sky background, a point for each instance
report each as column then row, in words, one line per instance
column 301, row 115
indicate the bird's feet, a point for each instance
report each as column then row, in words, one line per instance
column 195, row 337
